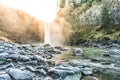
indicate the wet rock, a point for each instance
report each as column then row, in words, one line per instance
column 49, row 56
column 14, row 57
column 106, row 63
column 50, row 62
column 3, row 56
column 18, row 74
column 90, row 78
column 117, row 65
column 31, row 63
column 60, row 48
column 48, row 78
column 24, row 58
column 39, row 58
column 114, row 52
column 65, row 73
column 5, row 77
column 87, row 70
column 76, row 52
column 47, row 45
column 6, row 66
column 106, row 55
column 75, row 63
column 56, row 51
column 94, row 59
column 30, row 68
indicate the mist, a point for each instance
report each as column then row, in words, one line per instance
column 24, row 28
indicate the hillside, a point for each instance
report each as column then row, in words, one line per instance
column 20, row 26
column 94, row 20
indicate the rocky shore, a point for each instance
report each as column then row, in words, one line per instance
column 35, row 62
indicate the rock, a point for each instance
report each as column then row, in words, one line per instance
column 39, row 58
column 18, row 74
column 3, row 56
column 24, row 58
column 76, row 63
column 57, row 51
column 114, row 52
column 4, row 77
column 106, row 55
column 90, row 78
column 48, row 78
column 31, row 63
column 106, row 63
column 14, row 57
column 76, row 52
column 60, row 48
column 48, row 56
column 47, row 45
column 94, row 59
column 87, row 71
column 50, row 62
column 65, row 73
column 30, row 68
column 117, row 65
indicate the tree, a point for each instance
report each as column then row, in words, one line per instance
column 105, row 20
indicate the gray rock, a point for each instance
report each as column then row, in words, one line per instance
column 117, row 65
column 18, row 74
column 94, row 59
column 65, row 73
column 50, row 62
column 114, row 52
column 87, row 71
column 76, row 63
column 4, row 77
column 3, row 55
column 24, row 58
column 30, row 68
column 76, row 52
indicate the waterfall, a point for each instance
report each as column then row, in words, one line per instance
column 47, row 33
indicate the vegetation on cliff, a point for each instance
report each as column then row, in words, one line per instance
column 92, row 20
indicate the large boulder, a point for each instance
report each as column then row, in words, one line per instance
column 65, row 73
column 18, row 74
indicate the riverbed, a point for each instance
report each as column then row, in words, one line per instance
column 105, row 71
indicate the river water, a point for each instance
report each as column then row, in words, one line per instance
column 108, row 72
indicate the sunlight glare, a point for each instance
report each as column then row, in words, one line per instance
column 41, row 9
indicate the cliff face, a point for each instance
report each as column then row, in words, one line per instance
column 20, row 26
column 90, row 11
column 92, row 19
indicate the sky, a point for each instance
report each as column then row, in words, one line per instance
column 41, row 9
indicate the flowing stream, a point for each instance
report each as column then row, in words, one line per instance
column 47, row 33
column 110, row 72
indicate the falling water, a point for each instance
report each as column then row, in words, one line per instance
column 47, row 33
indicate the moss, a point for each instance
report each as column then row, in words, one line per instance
column 83, row 33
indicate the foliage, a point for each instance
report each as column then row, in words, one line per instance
column 105, row 16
